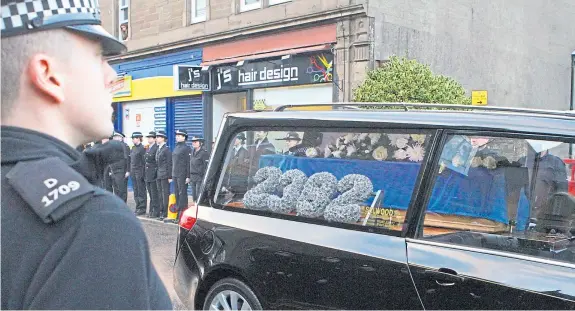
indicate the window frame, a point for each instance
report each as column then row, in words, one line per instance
column 276, row 2
column 122, row 21
column 193, row 18
column 214, row 185
column 250, row 7
column 429, row 184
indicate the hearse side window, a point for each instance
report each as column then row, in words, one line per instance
column 363, row 179
column 505, row 194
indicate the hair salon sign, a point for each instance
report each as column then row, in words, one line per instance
column 294, row 70
column 191, row 78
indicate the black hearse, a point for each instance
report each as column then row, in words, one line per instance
column 383, row 206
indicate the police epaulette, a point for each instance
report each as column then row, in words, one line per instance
column 48, row 186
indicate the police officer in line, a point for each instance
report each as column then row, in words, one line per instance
column 164, row 172
column 150, row 173
column 181, row 169
column 294, row 145
column 198, row 165
column 120, row 170
column 52, row 211
column 137, row 162
column 106, row 181
column 99, row 157
column 237, row 171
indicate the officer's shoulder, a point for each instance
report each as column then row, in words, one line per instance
column 50, row 187
column 107, row 205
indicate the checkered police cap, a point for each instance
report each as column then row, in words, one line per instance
column 80, row 16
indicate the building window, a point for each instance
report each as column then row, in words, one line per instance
column 199, row 11
column 124, row 19
column 248, row 5
column 274, row 2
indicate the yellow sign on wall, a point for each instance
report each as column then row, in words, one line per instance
column 122, row 87
column 479, row 98
column 154, row 87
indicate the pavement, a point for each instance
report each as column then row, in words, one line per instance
column 162, row 238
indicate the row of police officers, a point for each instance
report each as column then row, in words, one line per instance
column 152, row 169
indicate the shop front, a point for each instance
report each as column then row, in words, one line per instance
column 146, row 97
column 293, row 67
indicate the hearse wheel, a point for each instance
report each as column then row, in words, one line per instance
column 231, row 294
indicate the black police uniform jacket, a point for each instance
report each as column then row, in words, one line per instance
column 256, row 151
column 181, row 160
column 151, row 165
column 137, row 160
column 164, row 162
column 67, row 244
column 122, row 166
column 198, row 164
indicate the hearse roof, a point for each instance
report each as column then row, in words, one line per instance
column 543, row 122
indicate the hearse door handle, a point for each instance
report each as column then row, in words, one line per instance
column 445, row 277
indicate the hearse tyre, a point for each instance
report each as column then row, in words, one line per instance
column 231, row 294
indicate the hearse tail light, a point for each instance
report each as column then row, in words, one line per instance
column 189, row 217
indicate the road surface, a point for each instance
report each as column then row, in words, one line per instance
column 162, row 241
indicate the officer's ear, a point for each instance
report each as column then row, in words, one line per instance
column 45, row 77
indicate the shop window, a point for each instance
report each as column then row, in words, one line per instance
column 248, row 5
column 124, row 19
column 362, row 180
column 199, row 11
column 274, row 2
column 505, row 194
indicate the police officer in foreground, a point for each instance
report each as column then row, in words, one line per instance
column 181, row 170
column 151, row 173
column 66, row 243
column 120, row 170
column 137, row 162
column 164, row 173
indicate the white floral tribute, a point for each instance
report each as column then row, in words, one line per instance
column 346, row 208
column 316, row 194
column 352, row 145
column 291, row 186
column 414, row 152
column 267, row 179
column 309, row 197
column 488, row 162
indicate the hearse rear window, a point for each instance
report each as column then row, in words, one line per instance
column 366, row 178
column 507, row 194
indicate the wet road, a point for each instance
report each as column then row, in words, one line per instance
column 162, row 240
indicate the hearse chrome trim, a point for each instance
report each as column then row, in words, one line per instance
column 492, row 252
column 374, row 245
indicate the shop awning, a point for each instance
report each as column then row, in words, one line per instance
column 286, row 43
column 322, row 47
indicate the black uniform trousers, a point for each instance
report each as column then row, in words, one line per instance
column 120, row 185
column 140, row 195
column 107, row 180
column 152, row 187
column 164, row 196
column 196, row 183
column 181, row 191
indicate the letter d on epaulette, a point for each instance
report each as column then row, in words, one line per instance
column 47, row 185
